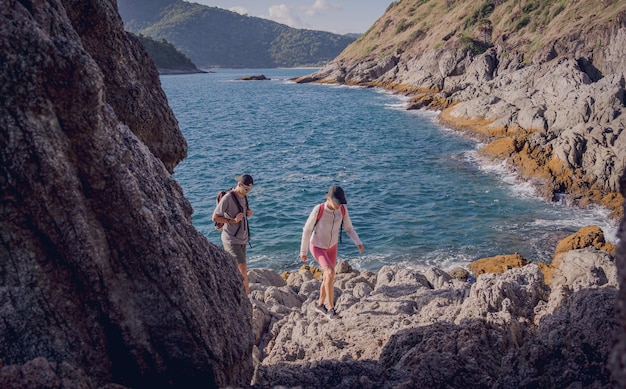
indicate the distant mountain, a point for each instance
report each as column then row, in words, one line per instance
column 214, row 37
column 166, row 57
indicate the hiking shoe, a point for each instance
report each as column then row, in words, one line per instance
column 321, row 309
column 332, row 314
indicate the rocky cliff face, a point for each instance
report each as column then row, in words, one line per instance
column 103, row 279
column 618, row 358
column 548, row 95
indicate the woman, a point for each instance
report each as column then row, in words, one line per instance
column 320, row 235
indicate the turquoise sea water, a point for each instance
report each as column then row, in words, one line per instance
column 417, row 193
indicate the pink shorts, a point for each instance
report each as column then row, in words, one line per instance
column 325, row 257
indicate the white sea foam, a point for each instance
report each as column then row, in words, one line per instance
column 564, row 216
column 396, row 106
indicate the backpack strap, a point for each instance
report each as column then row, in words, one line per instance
column 320, row 212
column 245, row 218
column 343, row 214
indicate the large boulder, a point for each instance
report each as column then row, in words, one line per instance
column 103, row 278
column 131, row 80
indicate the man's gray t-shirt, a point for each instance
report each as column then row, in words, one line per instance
column 227, row 208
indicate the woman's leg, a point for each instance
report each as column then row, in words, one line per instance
column 328, row 285
column 327, row 259
column 322, row 292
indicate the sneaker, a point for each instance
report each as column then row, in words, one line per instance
column 332, row 314
column 321, row 309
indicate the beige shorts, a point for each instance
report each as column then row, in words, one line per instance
column 236, row 250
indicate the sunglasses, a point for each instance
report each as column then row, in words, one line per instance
column 247, row 188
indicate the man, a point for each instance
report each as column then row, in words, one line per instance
column 233, row 211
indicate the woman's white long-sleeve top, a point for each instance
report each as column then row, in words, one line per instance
column 326, row 233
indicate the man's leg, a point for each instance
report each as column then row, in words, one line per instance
column 244, row 272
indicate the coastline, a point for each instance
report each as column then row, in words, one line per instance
column 512, row 147
column 550, row 177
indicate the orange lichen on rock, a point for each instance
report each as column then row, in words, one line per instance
column 590, row 236
column 497, row 264
column 429, row 100
column 585, row 237
column 500, row 148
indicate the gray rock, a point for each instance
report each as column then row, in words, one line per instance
column 585, row 268
column 508, row 296
column 618, row 354
column 437, row 278
column 265, row 277
column 499, row 331
column 284, row 296
column 100, row 264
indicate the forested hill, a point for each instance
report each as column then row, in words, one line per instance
column 214, row 37
column 166, row 57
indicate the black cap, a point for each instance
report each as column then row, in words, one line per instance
column 336, row 194
column 245, row 179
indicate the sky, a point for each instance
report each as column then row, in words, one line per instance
column 336, row 16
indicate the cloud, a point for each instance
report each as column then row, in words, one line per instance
column 239, row 10
column 321, row 7
column 286, row 15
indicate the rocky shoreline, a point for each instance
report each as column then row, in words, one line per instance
column 556, row 118
column 403, row 328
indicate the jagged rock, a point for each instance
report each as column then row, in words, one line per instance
column 571, row 346
column 590, row 236
column 618, row 355
column 299, row 277
column 265, row 277
column 137, row 104
column 343, row 267
column 498, row 332
column 437, row 278
column 40, row 373
column 103, row 279
column 513, row 294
